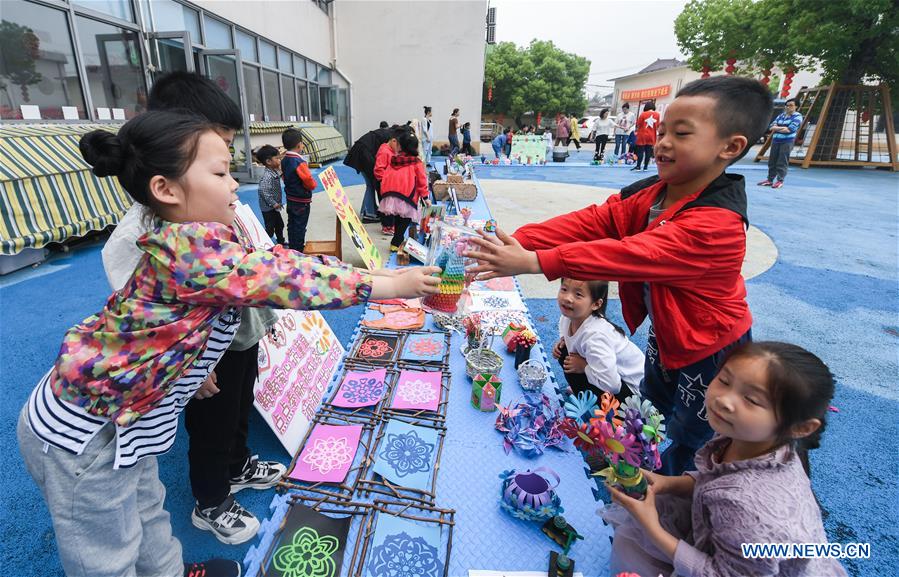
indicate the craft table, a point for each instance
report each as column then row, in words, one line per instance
column 473, row 457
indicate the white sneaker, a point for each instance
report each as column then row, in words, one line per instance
column 258, row 475
column 229, row 522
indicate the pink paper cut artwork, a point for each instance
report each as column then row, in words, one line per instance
column 328, row 454
column 418, row 390
column 361, row 389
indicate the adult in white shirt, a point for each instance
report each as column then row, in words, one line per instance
column 602, row 128
column 624, row 125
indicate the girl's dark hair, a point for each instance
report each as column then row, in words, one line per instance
column 649, row 106
column 427, row 109
column 801, row 387
column 408, row 142
column 455, row 110
column 154, row 143
column 604, row 112
column 599, row 289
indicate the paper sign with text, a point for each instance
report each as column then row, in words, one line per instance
column 297, row 358
column 352, row 226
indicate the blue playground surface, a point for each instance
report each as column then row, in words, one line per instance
column 832, row 290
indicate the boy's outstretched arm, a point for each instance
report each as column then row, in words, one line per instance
column 502, row 256
column 590, row 223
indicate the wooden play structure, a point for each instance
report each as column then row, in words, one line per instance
column 843, row 126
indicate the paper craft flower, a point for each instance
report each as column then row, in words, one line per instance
column 580, row 406
column 364, row 390
column 616, row 444
column 416, row 391
column 328, row 454
column 426, row 347
column 530, row 426
column 307, row 555
column 582, row 433
column 407, row 453
column 404, row 556
column 374, row 348
column 650, row 416
column 608, row 404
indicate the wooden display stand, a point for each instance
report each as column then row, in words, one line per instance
column 848, row 125
column 327, row 247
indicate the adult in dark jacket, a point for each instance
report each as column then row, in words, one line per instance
column 361, row 157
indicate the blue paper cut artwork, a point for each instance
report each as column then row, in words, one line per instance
column 424, row 347
column 406, row 455
column 403, row 548
column 361, row 389
column 309, row 544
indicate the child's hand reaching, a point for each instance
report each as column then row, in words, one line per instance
column 405, row 283
column 557, row 349
column 574, row 363
column 501, row 256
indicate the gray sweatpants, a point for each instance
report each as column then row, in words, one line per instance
column 779, row 159
column 108, row 522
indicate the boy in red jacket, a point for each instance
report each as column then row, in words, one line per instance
column 298, row 187
column 674, row 242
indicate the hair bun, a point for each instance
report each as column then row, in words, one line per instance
column 103, row 151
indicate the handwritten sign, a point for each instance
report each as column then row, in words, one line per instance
column 352, row 226
column 297, row 358
column 296, row 362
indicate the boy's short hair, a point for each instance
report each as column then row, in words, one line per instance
column 397, row 131
column 789, row 100
column 744, row 106
column 290, row 138
column 626, row 105
column 383, row 124
column 265, row 153
column 200, row 95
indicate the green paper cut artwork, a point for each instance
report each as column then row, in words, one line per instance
column 310, row 544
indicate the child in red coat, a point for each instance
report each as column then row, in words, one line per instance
column 403, row 186
column 674, row 242
column 647, row 125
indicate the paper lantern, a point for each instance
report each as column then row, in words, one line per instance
column 530, row 495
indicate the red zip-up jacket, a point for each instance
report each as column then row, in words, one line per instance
column 691, row 257
column 405, row 178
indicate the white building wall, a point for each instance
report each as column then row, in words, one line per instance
column 401, row 56
column 300, row 25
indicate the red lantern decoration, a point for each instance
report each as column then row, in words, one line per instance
column 490, row 93
column 539, row 117
column 766, row 79
column 730, row 65
column 788, row 82
column 706, row 69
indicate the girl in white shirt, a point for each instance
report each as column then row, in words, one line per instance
column 602, row 128
column 594, row 353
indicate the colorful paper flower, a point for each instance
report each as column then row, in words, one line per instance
column 580, row 406
column 616, row 444
column 608, row 404
column 583, row 435
column 653, row 420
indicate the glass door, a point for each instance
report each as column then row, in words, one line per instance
column 224, row 67
column 169, row 51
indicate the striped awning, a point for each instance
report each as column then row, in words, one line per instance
column 323, row 142
column 47, row 192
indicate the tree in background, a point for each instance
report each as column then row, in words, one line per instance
column 852, row 41
column 540, row 78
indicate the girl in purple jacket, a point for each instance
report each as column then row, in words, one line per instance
column 767, row 406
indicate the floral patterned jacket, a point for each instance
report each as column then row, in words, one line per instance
column 121, row 362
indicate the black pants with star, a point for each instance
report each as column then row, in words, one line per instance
column 680, row 395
